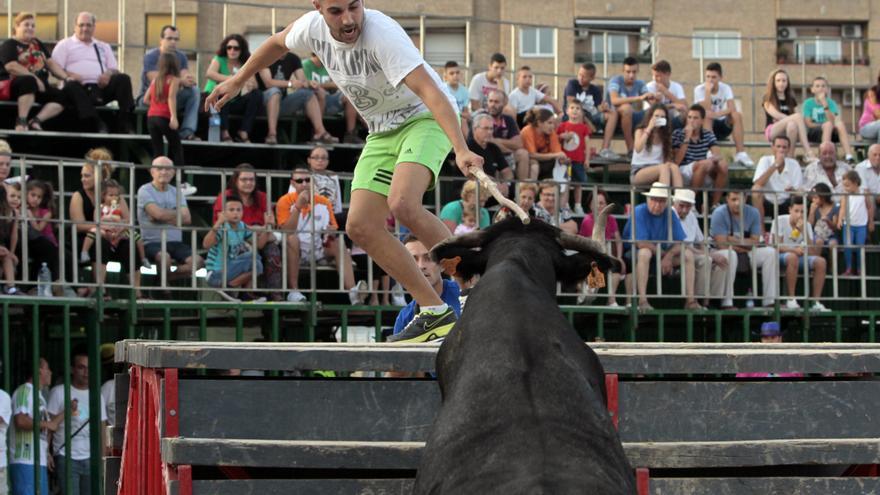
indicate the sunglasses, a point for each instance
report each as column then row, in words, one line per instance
column 233, row 47
column 303, row 180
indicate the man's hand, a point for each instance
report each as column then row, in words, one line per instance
column 104, row 79
column 76, row 77
column 303, row 199
column 269, row 218
column 666, row 265
column 223, row 93
column 779, row 161
column 467, row 159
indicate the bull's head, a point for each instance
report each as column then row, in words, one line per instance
column 470, row 254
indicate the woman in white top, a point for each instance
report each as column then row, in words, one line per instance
column 652, row 150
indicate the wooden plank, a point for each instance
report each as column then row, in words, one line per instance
column 616, row 358
column 121, row 384
column 402, row 486
column 297, row 454
column 763, row 486
column 748, row 410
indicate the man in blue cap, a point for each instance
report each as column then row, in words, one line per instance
column 770, row 333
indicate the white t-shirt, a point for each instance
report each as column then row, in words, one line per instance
column 108, row 393
column 21, row 442
column 312, row 246
column 327, row 186
column 870, row 177
column 674, row 88
column 858, row 211
column 783, row 232
column 79, row 444
column 5, row 420
column 791, row 176
column 523, row 102
column 719, row 99
column 370, row 71
column 480, row 88
column 692, row 231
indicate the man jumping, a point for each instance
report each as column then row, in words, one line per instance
column 413, row 123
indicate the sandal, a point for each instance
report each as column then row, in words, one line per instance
column 35, row 124
column 226, row 138
column 21, row 124
column 271, row 139
column 325, row 138
column 694, row 305
column 241, row 138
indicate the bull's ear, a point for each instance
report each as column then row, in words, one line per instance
column 461, row 255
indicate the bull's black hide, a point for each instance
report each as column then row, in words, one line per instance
column 523, row 406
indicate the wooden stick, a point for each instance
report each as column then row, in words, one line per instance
column 493, row 189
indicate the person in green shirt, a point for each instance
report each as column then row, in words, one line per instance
column 822, row 117
column 330, row 99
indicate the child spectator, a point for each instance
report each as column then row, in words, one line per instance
column 857, row 215
column 652, row 150
column 112, row 213
column 162, row 115
column 524, row 96
column 823, row 215
column 795, row 240
column 822, row 118
column 452, row 77
column 597, row 203
column 13, row 195
column 780, row 107
column 8, row 242
column 468, row 221
column 597, row 112
column 542, row 143
column 230, row 228
column 42, row 243
column 869, row 122
column 451, row 212
column 575, row 135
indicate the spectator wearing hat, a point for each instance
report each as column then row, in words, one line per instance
column 704, row 259
column 771, row 333
column 654, row 229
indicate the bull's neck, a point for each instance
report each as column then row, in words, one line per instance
column 527, row 259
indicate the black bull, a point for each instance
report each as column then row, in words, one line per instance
column 523, row 398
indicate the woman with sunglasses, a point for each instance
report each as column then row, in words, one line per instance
column 231, row 55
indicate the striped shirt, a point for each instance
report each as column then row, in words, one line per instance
column 22, row 448
column 696, row 150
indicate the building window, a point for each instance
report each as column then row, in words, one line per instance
column 444, row 40
column 536, row 42
column 626, row 38
column 717, row 44
column 821, row 44
column 618, row 48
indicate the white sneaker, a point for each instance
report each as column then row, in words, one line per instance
column 743, row 157
column 398, row 297
column 579, row 210
column 358, row 293
column 613, row 304
column 850, row 159
column 84, row 258
column 792, row 304
column 188, row 189
column 819, row 308
column 609, row 155
column 295, row 296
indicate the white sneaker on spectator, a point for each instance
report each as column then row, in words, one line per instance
column 819, row 308
column 295, row 296
column 227, row 297
column 579, row 210
column 743, row 157
column 358, row 293
column 398, row 297
column 188, row 189
column 609, row 155
column 850, row 159
column 792, row 304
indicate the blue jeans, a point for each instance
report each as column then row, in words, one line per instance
column 22, row 478
column 234, row 267
column 857, row 236
column 80, row 476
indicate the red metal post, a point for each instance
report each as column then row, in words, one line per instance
column 611, row 389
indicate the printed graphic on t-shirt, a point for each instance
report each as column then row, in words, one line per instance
column 572, row 143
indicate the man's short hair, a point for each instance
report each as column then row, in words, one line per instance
column 715, row 67
column 696, row 107
column 233, row 198
column 782, row 137
column 547, row 184
column 524, row 68
column 820, row 78
column 663, row 67
column 164, row 28
column 451, row 64
column 410, row 238
column 498, row 58
column 482, row 116
column 300, row 168
column 589, row 67
column 797, row 199
column 630, row 61
column 499, row 91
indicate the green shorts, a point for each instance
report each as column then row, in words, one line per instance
column 419, row 140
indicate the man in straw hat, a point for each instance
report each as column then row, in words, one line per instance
column 651, row 222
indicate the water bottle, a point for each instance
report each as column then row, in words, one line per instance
column 214, row 126
column 750, row 303
column 44, row 281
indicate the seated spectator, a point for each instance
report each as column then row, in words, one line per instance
column 188, row 94
column 628, row 95
column 827, row 170
column 94, row 75
column 451, row 213
column 5, row 160
column 783, row 119
column 158, row 209
column 468, row 221
column 869, row 122
column 855, row 220
column 551, row 209
column 668, row 92
column 710, row 268
column 331, row 101
column 452, row 78
column 869, row 171
column 299, row 214
column 84, row 212
column 13, row 195
column 506, row 134
column 770, row 334
column 600, row 115
column 736, row 229
column 652, row 154
column 598, row 203
column 524, row 96
column 527, row 193
column 823, row 216
column 39, row 212
column 161, row 99
column 795, row 241
column 654, row 222
column 111, row 213
column 290, row 92
column 230, row 261
column 8, row 243
column 232, row 54
column 545, row 152
column 25, row 60
column 698, row 157
column 255, row 213
column 494, row 163
column 822, row 118
column 776, row 177
column 722, row 117
column 483, row 83
column 326, row 181
column 575, row 136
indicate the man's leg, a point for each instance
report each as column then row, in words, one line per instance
column 642, row 270
column 791, row 272
column 739, row 131
column 85, row 477
column 293, row 259
column 188, row 101
column 767, row 259
column 758, row 202
column 689, row 273
column 722, row 280
column 625, row 112
column 119, row 89
column 521, row 157
column 610, row 126
column 702, row 275
column 820, row 267
column 842, row 136
column 719, row 181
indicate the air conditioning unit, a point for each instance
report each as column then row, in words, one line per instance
column 786, row 33
column 851, row 31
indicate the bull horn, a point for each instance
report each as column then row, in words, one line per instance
column 581, row 243
column 599, row 225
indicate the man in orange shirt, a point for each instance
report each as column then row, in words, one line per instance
column 308, row 221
